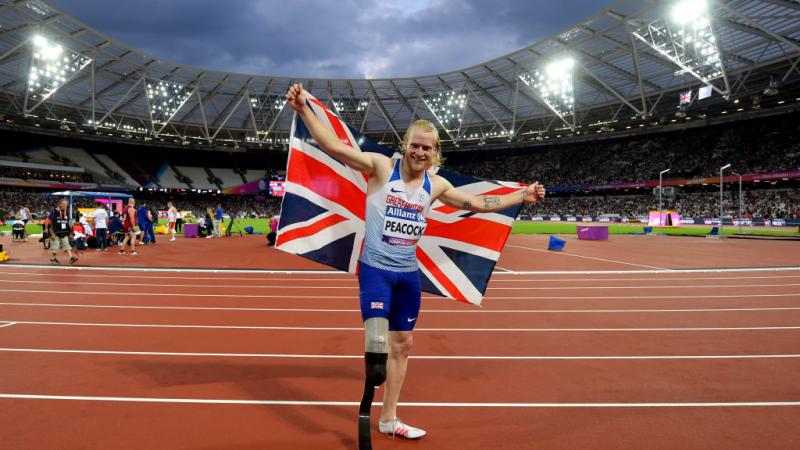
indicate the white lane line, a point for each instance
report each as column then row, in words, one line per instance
column 8, row 324
column 332, row 272
column 426, row 311
column 355, row 287
column 586, row 257
column 174, row 270
column 649, row 272
column 425, row 297
column 340, row 279
column 420, row 357
column 735, row 277
column 198, row 286
column 361, row 329
column 498, row 279
column 210, row 401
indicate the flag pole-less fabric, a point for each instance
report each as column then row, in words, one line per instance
column 323, row 210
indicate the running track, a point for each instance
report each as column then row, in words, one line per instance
column 202, row 360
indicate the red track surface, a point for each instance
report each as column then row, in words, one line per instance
column 553, row 361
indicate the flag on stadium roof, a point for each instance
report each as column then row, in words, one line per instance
column 324, row 207
column 685, row 98
column 704, row 92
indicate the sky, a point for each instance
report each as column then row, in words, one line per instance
column 330, row 38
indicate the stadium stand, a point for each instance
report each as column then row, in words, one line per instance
column 253, row 175
column 228, row 177
column 169, row 179
column 112, row 165
column 198, row 176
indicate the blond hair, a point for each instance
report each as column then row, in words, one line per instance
column 426, row 126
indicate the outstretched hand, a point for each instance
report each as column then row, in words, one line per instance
column 296, row 97
column 533, row 193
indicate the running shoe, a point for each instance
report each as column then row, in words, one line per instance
column 54, row 260
column 396, row 427
column 134, row 253
column 122, row 252
column 73, row 260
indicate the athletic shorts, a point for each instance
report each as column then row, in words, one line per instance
column 171, row 226
column 392, row 295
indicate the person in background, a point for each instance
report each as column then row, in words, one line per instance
column 172, row 217
column 152, row 222
column 60, row 231
column 24, row 216
column 142, row 219
column 115, row 229
column 101, row 228
column 129, row 227
column 218, row 221
column 179, row 221
column 273, row 231
column 201, row 225
column 273, row 224
column 209, row 224
column 18, row 231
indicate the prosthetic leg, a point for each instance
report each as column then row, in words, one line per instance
column 377, row 349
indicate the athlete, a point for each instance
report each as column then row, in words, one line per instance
column 129, row 227
column 399, row 196
column 172, row 216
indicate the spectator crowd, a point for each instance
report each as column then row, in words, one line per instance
column 756, row 146
column 766, row 145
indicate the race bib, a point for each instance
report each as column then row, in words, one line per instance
column 404, row 223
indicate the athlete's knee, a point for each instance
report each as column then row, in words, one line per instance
column 401, row 343
column 375, row 367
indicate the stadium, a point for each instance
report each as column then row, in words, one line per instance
column 648, row 301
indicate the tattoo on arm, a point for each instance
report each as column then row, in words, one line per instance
column 467, row 205
column 491, row 202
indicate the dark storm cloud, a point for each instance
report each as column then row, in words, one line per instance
column 318, row 38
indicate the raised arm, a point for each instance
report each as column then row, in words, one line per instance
column 361, row 161
column 455, row 198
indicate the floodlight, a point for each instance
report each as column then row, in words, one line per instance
column 52, row 66
column 688, row 12
column 687, row 40
column 265, row 109
column 351, row 110
column 554, row 85
column 448, row 108
column 165, row 98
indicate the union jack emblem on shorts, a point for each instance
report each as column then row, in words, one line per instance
column 323, row 211
column 375, row 305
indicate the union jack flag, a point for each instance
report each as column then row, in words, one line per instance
column 323, row 211
column 685, row 98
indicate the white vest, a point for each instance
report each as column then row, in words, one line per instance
column 395, row 221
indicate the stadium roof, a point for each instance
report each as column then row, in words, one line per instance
column 628, row 60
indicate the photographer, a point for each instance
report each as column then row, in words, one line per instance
column 60, row 232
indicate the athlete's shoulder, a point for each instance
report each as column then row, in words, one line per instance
column 383, row 167
column 438, row 184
